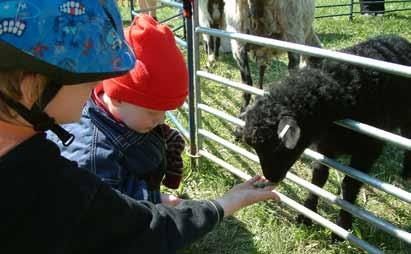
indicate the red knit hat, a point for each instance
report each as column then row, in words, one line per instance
column 159, row 79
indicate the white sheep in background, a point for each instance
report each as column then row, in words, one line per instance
column 211, row 15
column 287, row 20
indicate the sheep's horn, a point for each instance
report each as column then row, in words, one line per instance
column 284, row 131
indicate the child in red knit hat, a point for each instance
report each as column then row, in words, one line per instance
column 121, row 136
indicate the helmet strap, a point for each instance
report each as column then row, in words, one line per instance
column 36, row 115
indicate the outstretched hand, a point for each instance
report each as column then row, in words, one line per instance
column 246, row 194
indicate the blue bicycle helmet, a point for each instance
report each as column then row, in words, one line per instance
column 69, row 42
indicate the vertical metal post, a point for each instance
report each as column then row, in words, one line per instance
column 197, row 80
column 131, row 9
column 192, row 100
column 351, row 9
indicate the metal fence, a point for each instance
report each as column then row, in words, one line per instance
column 196, row 133
column 350, row 8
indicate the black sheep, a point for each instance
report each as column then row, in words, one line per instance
column 300, row 110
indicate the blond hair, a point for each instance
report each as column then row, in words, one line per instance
column 10, row 85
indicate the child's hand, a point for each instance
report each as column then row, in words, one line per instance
column 246, row 194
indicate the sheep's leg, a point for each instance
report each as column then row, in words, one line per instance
column 351, row 187
column 261, row 72
column 293, row 60
column 243, row 63
column 406, row 167
column 312, row 40
column 217, row 46
column 241, row 57
column 211, row 50
column 319, row 178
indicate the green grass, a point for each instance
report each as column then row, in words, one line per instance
column 270, row 227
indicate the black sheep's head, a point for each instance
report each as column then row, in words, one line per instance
column 277, row 139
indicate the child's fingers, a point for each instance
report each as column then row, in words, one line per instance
column 253, row 179
column 268, row 194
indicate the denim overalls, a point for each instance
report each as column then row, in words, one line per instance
column 130, row 162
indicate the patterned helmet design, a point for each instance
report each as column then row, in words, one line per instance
column 78, row 37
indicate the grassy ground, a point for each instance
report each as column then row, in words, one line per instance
column 269, row 227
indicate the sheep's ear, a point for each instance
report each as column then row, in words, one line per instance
column 288, row 132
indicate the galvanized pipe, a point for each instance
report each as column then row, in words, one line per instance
column 353, row 209
column 221, row 114
column 376, row 133
column 396, row 69
column 236, row 85
column 197, row 81
column 178, row 125
column 360, row 176
column 178, row 15
column 181, row 42
column 191, row 85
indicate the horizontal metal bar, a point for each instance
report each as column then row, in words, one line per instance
column 381, row 12
column 353, row 209
column 175, row 29
column 397, row 69
column 181, row 42
column 178, row 125
column 395, row 10
column 331, row 6
column 227, row 166
column 178, row 15
column 299, row 208
column 376, row 133
column 332, row 15
column 228, row 145
column 386, row 2
column 236, row 85
column 220, row 114
column 172, row 4
column 360, row 176
column 357, row 3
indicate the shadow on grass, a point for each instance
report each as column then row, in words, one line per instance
column 231, row 236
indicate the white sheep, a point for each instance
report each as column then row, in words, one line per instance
column 287, row 20
column 211, row 15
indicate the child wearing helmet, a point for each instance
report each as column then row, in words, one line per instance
column 121, row 136
column 53, row 206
